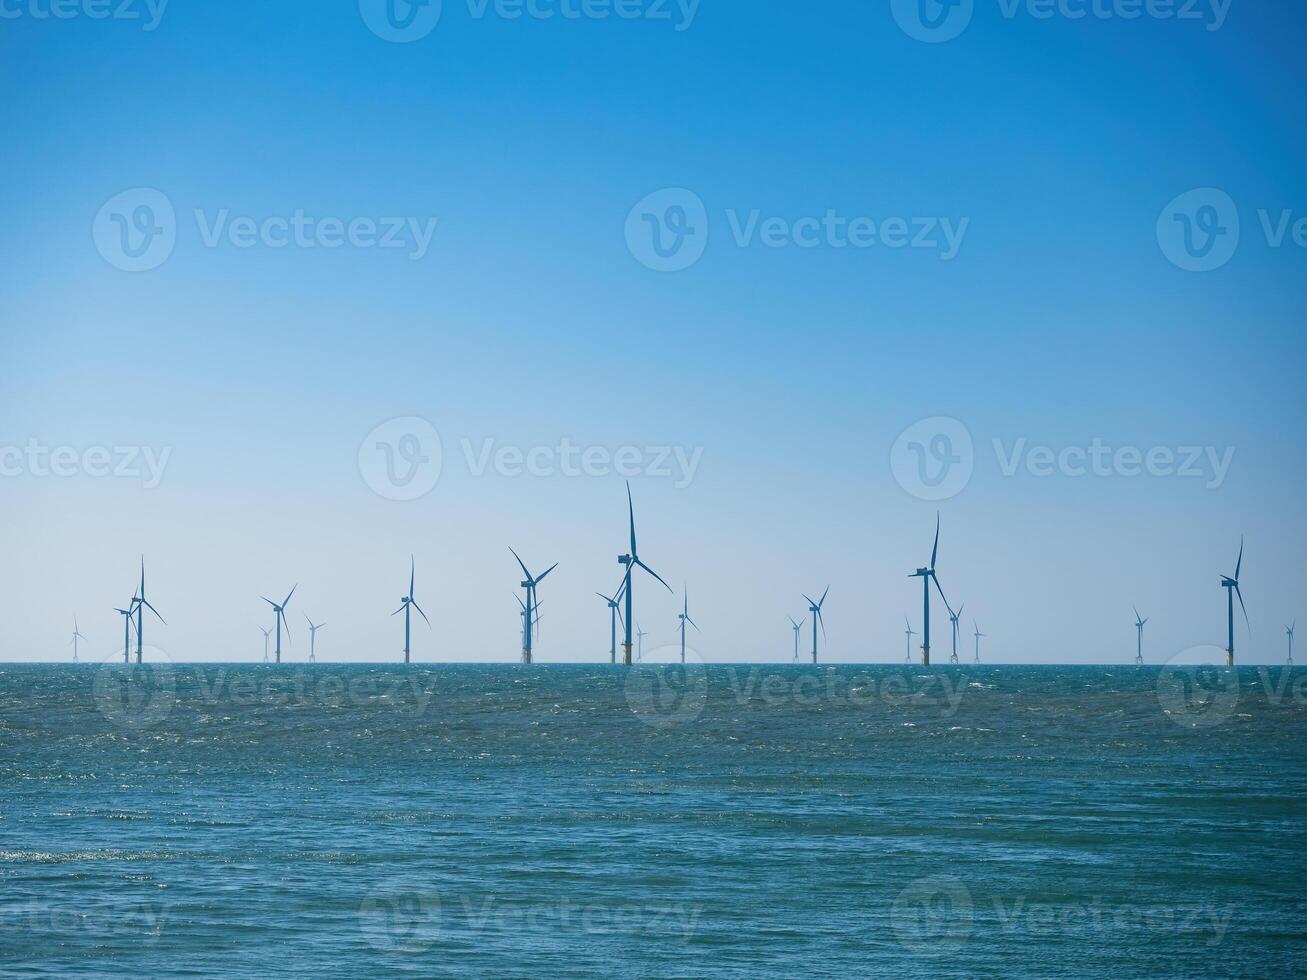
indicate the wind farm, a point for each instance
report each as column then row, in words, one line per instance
column 406, row 606
column 279, row 618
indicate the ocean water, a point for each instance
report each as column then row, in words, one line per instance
column 710, row 822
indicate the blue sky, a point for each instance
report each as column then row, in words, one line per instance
column 530, row 319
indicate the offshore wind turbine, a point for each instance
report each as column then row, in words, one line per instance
column 313, row 639
column 639, row 653
column 127, row 630
column 910, row 632
column 77, row 635
column 1139, row 647
column 953, row 619
column 266, row 633
column 529, row 615
column 613, row 614
column 1289, row 631
column 632, row 560
column 978, row 636
column 1231, row 586
column 280, row 617
column 927, row 575
column 684, row 617
column 815, row 609
column 141, row 602
column 797, row 626
column 406, row 606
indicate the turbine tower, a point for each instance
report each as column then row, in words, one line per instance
column 1231, row 586
column 1289, row 631
column 406, row 606
column 910, row 633
column 978, row 636
column 127, row 630
column 1139, row 647
column 815, row 609
column 632, row 560
column 313, row 639
column 797, row 626
column 266, row 633
column 280, row 617
column 684, row 617
column 613, row 614
column 140, row 602
column 953, row 619
column 529, row 615
column 77, row 635
column 927, row 575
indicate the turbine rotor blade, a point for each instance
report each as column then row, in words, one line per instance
column 289, row 594
column 419, row 609
column 630, row 509
column 935, row 550
column 547, row 571
column 1246, row 620
column 1237, row 565
column 525, row 573
column 637, row 561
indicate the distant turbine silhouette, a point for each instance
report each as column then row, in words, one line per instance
column 632, row 560
column 529, row 617
column 613, row 613
column 814, row 608
column 1139, row 646
column 1231, row 586
column 406, row 606
column 280, row 617
column 978, row 636
column 797, row 626
column 536, row 617
column 266, row 634
column 77, row 635
column 910, row 632
column 640, row 635
column 953, row 620
column 684, row 617
column 1289, row 630
column 127, row 630
column 141, row 602
column 927, row 575
column 313, row 639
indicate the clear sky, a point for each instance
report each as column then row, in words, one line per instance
column 785, row 358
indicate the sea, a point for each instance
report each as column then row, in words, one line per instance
column 326, row 821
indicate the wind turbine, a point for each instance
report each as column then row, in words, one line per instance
column 266, row 633
column 77, row 635
column 927, row 575
column 1139, row 648
column 639, row 652
column 978, row 636
column 684, row 617
column 631, row 561
column 127, row 630
column 815, row 609
column 280, row 617
column 313, row 639
column 910, row 632
column 406, row 606
column 1231, row 586
column 536, row 617
column 1289, row 631
column 529, row 614
column 140, row 601
column 953, row 619
column 613, row 614
column 797, row 626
